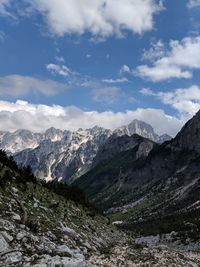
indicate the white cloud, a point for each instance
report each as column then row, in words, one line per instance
column 156, row 51
column 102, row 18
column 107, row 95
column 16, row 85
column 185, row 100
column 147, row 92
column 119, row 80
column 179, row 62
column 162, row 72
column 125, row 69
column 23, row 115
column 59, row 69
column 193, row 3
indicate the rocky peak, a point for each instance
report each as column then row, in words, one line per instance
column 138, row 127
column 54, row 134
column 189, row 136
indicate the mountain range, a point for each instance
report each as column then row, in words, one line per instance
column 66, row 155
column 155, row 192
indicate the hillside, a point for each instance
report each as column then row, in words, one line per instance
column 40, row 228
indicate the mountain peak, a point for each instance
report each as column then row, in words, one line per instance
column 138, row 127
column 54, row 134
column 189, row 136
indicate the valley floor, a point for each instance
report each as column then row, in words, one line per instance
column 61, row 233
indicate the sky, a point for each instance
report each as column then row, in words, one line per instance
column 79, row 63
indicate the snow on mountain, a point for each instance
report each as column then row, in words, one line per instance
column 58, row 154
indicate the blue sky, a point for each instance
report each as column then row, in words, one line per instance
column 78, row 63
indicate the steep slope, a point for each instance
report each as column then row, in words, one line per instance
column 41, row 228
column 153, row 189
column 116, row 144
column 105, row 180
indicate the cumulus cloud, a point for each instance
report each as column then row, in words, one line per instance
column 177, row 62
column 37, row 118
column 193, row 3
column 156, row 51
column 59, row 69
column 102, row 18
column 185, row 100
column 125, row 69
column 17, row 85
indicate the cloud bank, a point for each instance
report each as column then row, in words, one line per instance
column 37, row 118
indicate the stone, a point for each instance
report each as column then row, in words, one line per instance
column 20, row 236
column 7, row 237
column 16, row 217
column 13, row 258
column 3, row 244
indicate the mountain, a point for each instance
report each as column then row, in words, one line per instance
column 65, row 159
column 67, row 155
column 160, row 190
column 138, row 127
column 24, row 139
column 163, row 138
column 19, row 140
column 116, row 144
column 52, row 225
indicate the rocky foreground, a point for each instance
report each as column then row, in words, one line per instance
column 40, row 228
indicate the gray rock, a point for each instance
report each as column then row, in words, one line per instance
column 7, row 237
column 16, row 217
column 3, row 244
